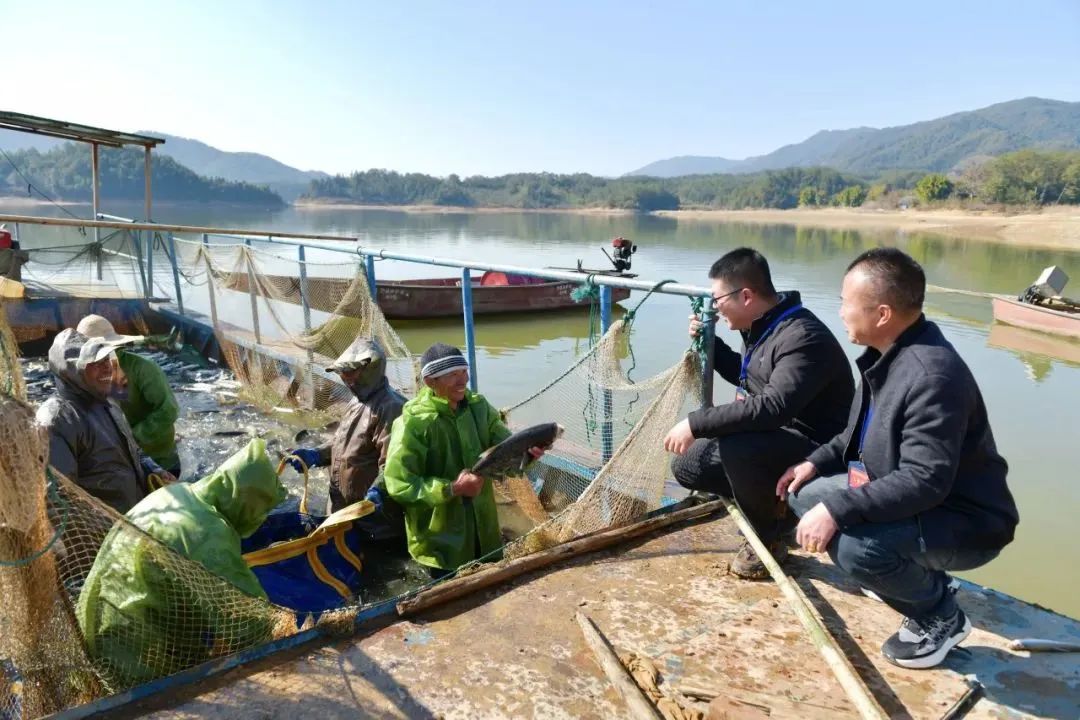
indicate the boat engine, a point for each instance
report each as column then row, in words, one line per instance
column 1048, row 287
column 623, row 249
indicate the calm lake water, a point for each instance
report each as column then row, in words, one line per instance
column 1031, row 382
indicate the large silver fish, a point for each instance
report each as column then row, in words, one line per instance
column 512, row 455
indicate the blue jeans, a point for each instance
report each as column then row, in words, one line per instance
column 890, row 558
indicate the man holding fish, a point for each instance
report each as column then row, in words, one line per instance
column 450, row 514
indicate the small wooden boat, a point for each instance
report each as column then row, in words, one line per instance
column 494, row 292
column 1057, row 318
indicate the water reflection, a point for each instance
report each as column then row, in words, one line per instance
column 1035, row 350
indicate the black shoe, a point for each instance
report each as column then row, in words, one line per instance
column 748, row 565
column 920, row 644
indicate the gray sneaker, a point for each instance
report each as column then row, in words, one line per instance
column 924, row 643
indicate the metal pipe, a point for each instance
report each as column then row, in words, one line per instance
column 175, row 273
column 605, row 309
column 117, row 218
column 369, row 268
column 470, row 335
column 146, row 190
column 95, row 184
column 607, row 434
column 136, row 244
column 251, row 294
column 150, row 259
column 279, row 239
column 708, row 337
column 308, row 378
column 302, row 257
column 210, row 284
column 192, row 229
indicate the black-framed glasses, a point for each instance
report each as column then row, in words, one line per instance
column 716, row 300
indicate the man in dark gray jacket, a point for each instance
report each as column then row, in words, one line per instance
column 90, row 442
column 925, row 489
column 793, row 388
column 357, row 453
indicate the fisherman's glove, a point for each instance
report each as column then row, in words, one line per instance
column 309, row 456
column 375, row 497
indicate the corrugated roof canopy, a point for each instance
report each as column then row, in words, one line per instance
column 73, row 131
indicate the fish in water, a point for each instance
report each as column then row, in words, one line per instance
column 512, row 455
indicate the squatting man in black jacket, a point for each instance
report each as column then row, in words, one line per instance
column 793, row 389
column 925, row 489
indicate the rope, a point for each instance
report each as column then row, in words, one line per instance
column 590, row 291
column 629, row 318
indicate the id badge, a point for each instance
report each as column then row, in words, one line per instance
column 856, row 474
column 741, row 395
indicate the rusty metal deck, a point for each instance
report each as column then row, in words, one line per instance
column 517, row 651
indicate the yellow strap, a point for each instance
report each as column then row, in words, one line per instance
column 346, row 552
column 281, row 467
column 323, row 574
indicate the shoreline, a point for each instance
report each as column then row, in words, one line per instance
column 1054, row 228
column 459, row 209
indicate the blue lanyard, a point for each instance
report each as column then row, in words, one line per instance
column 865, row 425
column 750, row 350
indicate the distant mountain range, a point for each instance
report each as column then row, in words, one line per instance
column 934, row 145
column 208, row 161
column 203, row 159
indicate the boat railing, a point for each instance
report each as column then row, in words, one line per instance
column 148, row 237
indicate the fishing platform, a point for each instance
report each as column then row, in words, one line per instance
column 507, row 641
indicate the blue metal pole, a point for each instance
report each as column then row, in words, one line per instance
column 607, row 435
column 708, row 336
column 150, row 262
column 304, row 289
column 309, row 379
column 175, row 273
column 470, row 335
column 251, row 294
column 210, row 284
column 369, row 267
column 605, row 308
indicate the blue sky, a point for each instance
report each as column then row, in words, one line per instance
column 495, row 87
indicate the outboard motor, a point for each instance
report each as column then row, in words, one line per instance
column 623, row 249
column 1050, row 285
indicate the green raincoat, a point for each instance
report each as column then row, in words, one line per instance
column 150, row 408
column 429, row 445
column 142, row 621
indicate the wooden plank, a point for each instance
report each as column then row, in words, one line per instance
column 639, row 705
column 462, row 586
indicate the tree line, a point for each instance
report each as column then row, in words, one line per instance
column 1027, row 177
column 64, row 173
